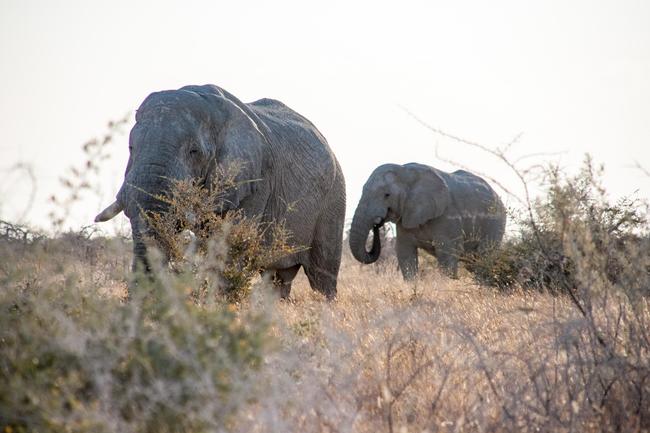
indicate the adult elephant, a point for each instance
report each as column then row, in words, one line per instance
column 445, row 214
column 289, row 172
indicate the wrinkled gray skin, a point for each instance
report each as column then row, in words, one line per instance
column 187, row 133
column 445, row 214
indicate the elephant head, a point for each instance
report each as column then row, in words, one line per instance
column 409, row 195
column 185, row 134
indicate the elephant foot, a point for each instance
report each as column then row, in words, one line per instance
column 284, row 290
column 328, row 290
column 282, row 279
column 451, row 273
column 330, row 296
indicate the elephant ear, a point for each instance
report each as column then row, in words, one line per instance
column 240, row 142
column 243, row 147
column 427, row 198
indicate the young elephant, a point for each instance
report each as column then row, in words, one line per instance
column 445, row 214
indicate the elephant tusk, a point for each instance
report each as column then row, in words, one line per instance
column 111, row 211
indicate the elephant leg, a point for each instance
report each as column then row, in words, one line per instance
column 322, row 280
column 282, row 279
column 323, row 268
column 325, row 252
column 448, row 253
column 407, row 257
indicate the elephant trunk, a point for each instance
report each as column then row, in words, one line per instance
column 141, row 193
column 361, row 225
column 140, row 260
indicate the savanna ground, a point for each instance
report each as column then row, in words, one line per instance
column 387, row 355
column 551, row 332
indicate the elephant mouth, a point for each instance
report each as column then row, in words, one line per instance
column 378, row 222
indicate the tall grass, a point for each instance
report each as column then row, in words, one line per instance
column 559, row 340
column 75, row 357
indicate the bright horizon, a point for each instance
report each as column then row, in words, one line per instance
column 574, row 78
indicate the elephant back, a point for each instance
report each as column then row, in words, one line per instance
column 472, row 194
column 299, row 151
column 304, row 173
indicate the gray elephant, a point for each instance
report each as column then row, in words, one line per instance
column 445, row 214
column 287, row 163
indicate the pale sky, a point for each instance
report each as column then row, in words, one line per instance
column 573, row 76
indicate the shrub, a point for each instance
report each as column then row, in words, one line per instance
column 11, row 233
column 572, row 230
column 74, row 357
column 223, row 250
column 576, row 242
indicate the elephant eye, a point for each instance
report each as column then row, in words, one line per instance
column 194, row 151
column 387, row 195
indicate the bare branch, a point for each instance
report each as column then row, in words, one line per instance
column 84, row 177
column 490, row 178
column 28, row 170
column 537, row 155
column 642, row 168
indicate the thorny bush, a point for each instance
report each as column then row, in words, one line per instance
column 572, row 226
column 224, row 250
column 75, row 357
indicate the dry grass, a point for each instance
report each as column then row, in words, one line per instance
column 444, row 355
column 435, row 355
column 389, row 355
column 77, row 355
